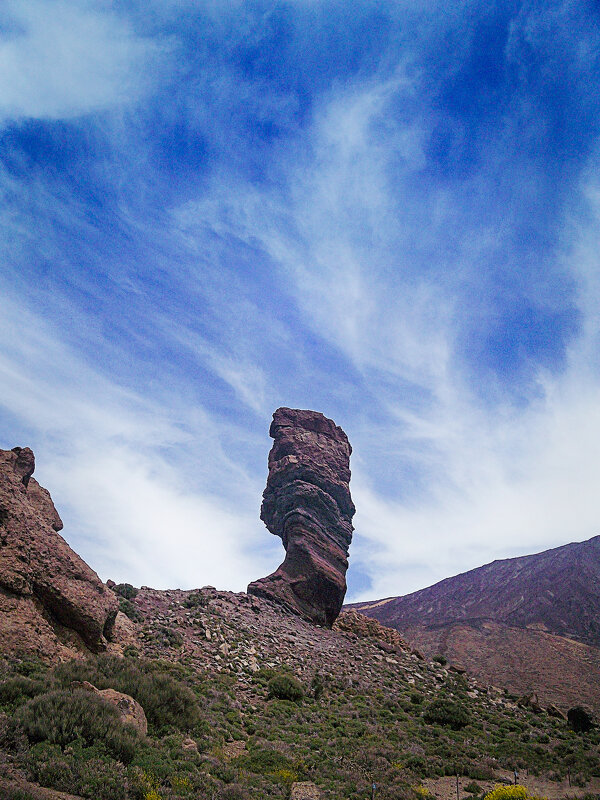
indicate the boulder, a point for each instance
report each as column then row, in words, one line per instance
column 307, row 503
column 50, row 597
column 129, row 709
column 304, row 790
column 531, row 702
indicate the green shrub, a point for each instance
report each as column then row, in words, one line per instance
column 416, row 764
column 473, row 788
column 32, row 667
column 63, row 717
column 16, row 690
column 172, row 638
column 18, row 794
column 49, row 767
column 79, row 772
column 125, row 590
column 264, row 675
column 447, row 712
column 99, row 779
column 167, row 702
column 317, row 686
column 195, row 600
column 126, row 607
column 285, row 687
column 440, row 660
column 264, row 762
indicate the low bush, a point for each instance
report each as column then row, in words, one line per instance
column 447, row 712
column 167, row 702
column 16, row 690
column 78, row 771
column 285, row 687
column 127, row 607
column 125, row 590
column 264, row 762
column 18, row 794
column 195, row 600
column 171, row 637
column 63, row 717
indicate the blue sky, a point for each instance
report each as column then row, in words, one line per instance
column 384, row 211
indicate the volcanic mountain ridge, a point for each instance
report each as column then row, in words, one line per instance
column 530, row 623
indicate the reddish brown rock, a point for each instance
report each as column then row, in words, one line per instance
column 307, row 503
column 51, row 599
column 130, row 710
column 388, row 639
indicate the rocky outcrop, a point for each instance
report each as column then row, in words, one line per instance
column 49, row 597
column 367, row 627
column 307, row 503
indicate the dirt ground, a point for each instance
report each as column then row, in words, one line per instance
column 445, row 788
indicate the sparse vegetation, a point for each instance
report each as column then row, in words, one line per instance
column 128, row 608
column 339, row 731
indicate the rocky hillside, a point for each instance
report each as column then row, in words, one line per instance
column 243, row 699
column 530, row 623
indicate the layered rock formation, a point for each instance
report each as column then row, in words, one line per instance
column 307, row 503
column 51, row 602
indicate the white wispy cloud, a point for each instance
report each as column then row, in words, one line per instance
column 62, row 59
column 517, row 479
column 499, row 478
column 146, row 489
column 374, row 269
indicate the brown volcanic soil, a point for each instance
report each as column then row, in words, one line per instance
column 559, row 670
column 529, row 624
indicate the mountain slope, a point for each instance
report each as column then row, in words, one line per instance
column 528, row 623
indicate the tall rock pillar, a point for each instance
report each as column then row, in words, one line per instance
column 307, row 503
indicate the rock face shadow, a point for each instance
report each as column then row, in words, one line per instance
column 307, row 503
column 50, row 600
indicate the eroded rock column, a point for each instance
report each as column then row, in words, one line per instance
column 307, row 503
